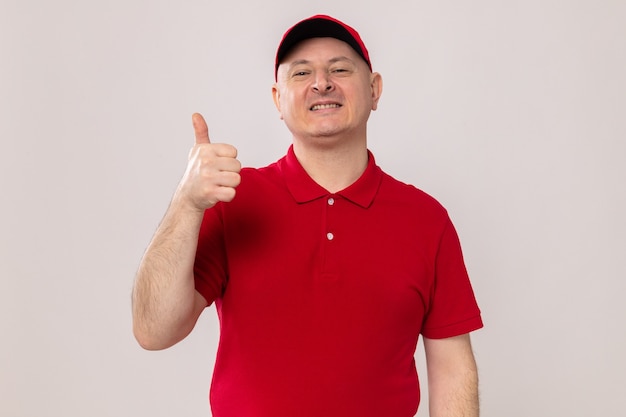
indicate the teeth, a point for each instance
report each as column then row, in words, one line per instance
column 324, row 106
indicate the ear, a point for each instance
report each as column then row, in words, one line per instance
column 377, row 89
column 276, row 98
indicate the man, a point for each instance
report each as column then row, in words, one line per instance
column 324, row 270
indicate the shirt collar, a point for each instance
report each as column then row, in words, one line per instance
column 304, row 189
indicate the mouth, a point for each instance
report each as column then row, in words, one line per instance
column 317, row 107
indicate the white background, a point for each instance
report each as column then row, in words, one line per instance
column 511, row 113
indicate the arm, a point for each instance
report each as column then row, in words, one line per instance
column 452, row 377
column 166, row 304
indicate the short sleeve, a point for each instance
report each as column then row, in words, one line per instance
column 453, row 309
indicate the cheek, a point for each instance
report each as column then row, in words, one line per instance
column 359, row 105
column 366, row 101
column 292, row 103
column 287, row 109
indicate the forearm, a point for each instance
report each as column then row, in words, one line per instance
column 165, row 302
column 164, row 309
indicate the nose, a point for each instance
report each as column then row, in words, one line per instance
column 322, row 83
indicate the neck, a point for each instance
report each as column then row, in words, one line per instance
column 333, row 167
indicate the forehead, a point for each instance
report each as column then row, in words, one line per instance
column 320, row 48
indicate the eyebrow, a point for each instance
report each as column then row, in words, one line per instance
column 331, row 61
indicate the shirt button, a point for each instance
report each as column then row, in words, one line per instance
column 331, row 201
column 330, row 236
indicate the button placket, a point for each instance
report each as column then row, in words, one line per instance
column 329, row 234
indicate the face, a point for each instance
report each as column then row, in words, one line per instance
column 325, row 89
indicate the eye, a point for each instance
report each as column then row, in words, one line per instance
column 299, row 73
column 340, row 71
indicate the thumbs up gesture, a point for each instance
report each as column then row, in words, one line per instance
column 212, row 172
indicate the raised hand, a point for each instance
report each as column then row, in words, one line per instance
column 212, row 172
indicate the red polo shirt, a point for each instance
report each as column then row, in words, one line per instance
column 321, row 297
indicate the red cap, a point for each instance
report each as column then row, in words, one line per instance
column 320, row 26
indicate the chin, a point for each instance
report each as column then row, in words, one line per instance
column 329, row 130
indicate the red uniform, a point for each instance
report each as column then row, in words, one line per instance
column 322, row 297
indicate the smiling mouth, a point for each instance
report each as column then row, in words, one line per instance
column 325, row 106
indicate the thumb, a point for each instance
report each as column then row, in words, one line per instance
column 200, row 128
